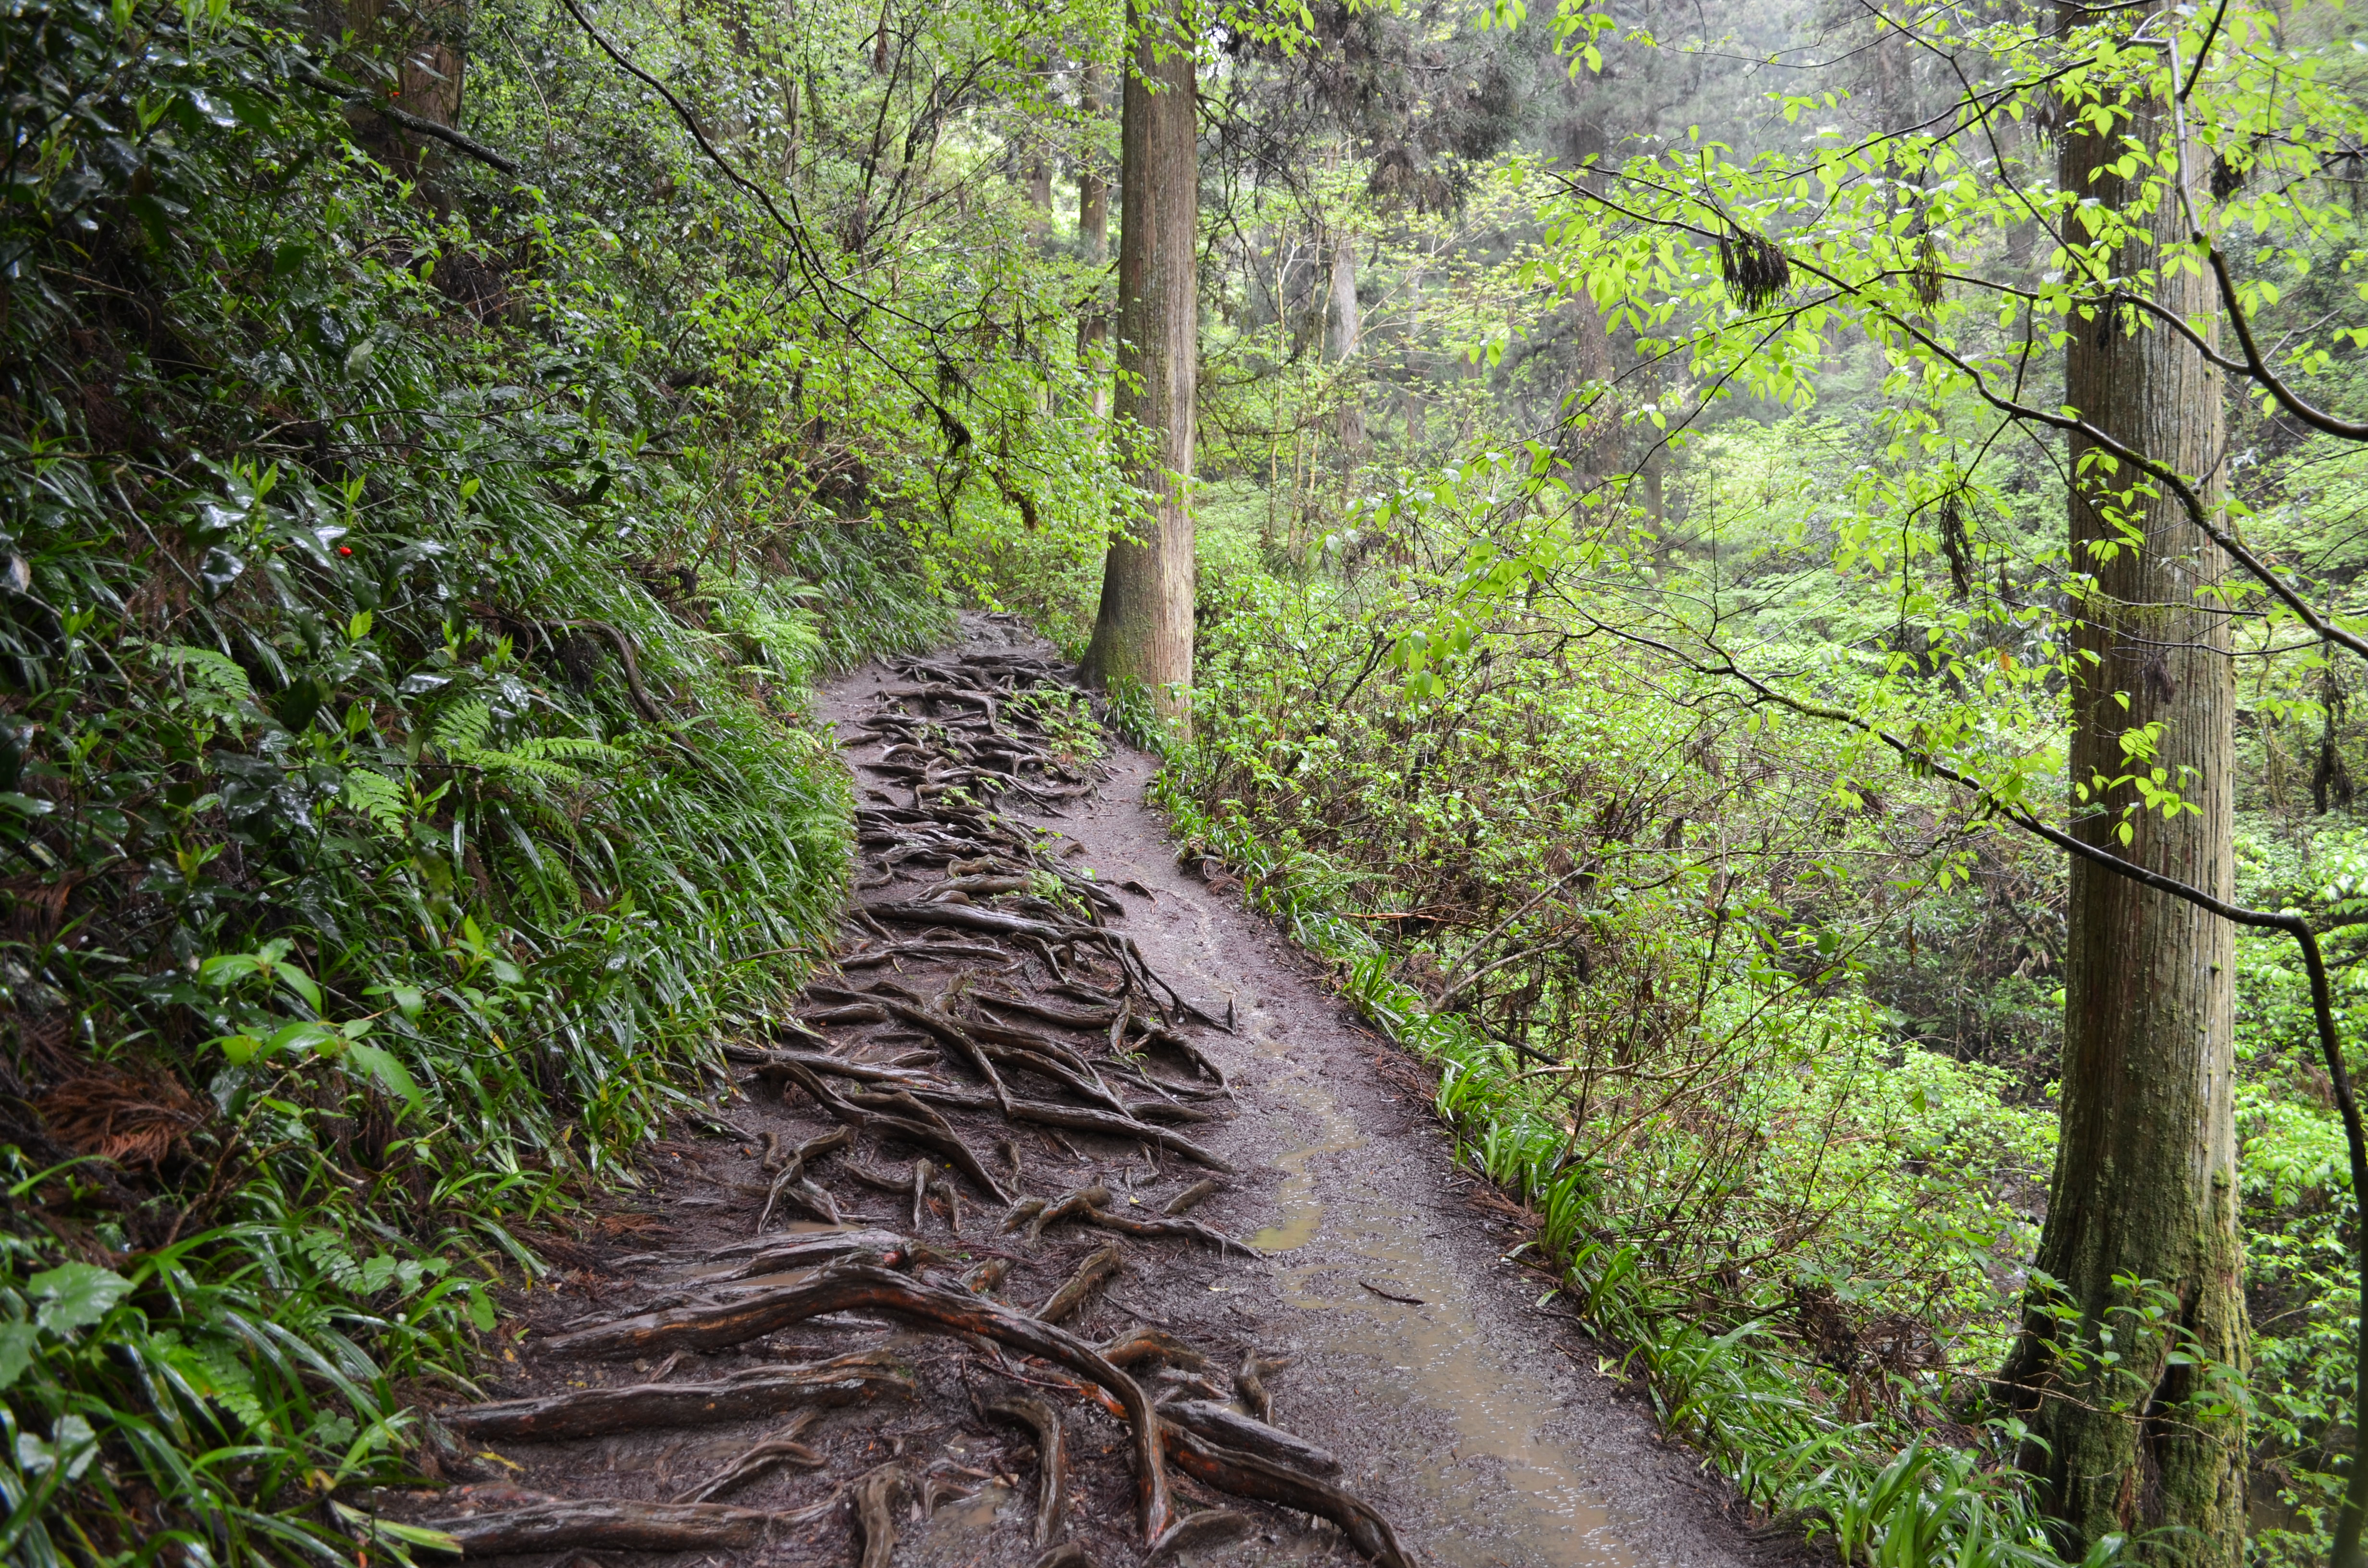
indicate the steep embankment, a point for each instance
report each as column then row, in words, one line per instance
column 997, row 1040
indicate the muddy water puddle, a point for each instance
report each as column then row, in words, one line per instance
column 1505, row 1479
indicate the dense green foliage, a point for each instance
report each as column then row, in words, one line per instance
column 363, row 915
column 1765, row 1024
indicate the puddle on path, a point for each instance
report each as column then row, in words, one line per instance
column 1302, row 1210
column 1431, row 1356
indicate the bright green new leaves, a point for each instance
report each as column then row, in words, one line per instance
column 263, row 1041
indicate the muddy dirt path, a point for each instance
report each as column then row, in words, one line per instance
column 1065, row 1136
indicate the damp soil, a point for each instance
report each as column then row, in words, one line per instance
column 1393, row 1319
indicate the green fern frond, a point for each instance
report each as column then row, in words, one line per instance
column 375, row 798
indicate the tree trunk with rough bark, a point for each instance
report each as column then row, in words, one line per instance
column 1143, row 632
column 429, row 74
column 2142, row 1214
column 1093, row 230
column 1040, row 199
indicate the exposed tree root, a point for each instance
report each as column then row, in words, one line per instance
column 1039, row 1214
column 968, row 916
column 1210, row 1526
column 899, row 1115
column 1224, row 1424
column 844, row 1287
column 764, row 1390
column 1052, row 1460
column 1189, row 1229
column 783, row 1448
column 896, row 1114
column 1080, row 1118
column 605, row 1523
column 884, row 1248
column 951, row 1033
column 1144, row 1343
column 876, row 1496
column 1193, row 1197
column 772, row 1072
column 1248, row 1475
column 1250, row 1381
column 1090, row 1276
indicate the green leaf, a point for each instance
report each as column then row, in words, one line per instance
column 72, row 1447
column 75, row 1295
column 393, row 1531
column 375, row 797
column 305, row 1035
column 387, row 1071
column 238, row 1049
column 17, row 1343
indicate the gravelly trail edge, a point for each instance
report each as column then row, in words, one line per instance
column 1402, row 1341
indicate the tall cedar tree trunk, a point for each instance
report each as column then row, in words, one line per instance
column 1039, row 200
column 2145, row 1181
column 429, row 71
column 1093, row 228
column 1143, row 632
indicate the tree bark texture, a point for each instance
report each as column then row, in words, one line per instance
column 1093, row 230
column 429, row 76
column 2143, row 1198
column 431, row 61
column 1143, row 632
column 1040, row 199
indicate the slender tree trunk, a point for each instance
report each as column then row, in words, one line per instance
column 1040, row 199
column 1093, row 229
column 788, row 128
column 1347, row 335
column 429, row 67
column 2017, row 142
column 1143, row 632
column 2144, row 1187
column 1583, row 143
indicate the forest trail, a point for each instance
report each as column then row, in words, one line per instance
column 1381, row 1316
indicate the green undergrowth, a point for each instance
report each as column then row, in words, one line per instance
column 1764, row 1029
column 1882, row 1490
column 360, row 918
column 1631, row 933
